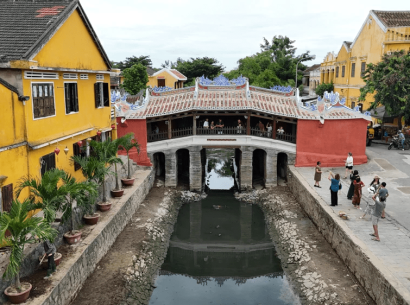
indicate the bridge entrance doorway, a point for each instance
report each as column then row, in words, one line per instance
column 159, row 164
column 183, row 163
column 282, row 168
column 258, row 168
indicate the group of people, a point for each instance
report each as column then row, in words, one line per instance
column 265, row 130
column 377, row 191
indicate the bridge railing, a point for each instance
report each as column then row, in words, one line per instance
column 182, row 132
column 220, row 131
column 152, row 137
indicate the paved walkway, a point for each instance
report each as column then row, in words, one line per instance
column 394, row 248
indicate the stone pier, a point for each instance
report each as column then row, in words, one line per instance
column 245, row 177
column 271, row 175
column 171, row 170
column 195, row 169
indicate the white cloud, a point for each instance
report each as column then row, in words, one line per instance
column 225, row 29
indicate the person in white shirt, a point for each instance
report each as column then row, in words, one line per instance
column 349, row 164
column 206, row 124
column 269, row 130
column 281, row 130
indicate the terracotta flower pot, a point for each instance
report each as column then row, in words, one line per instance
column 128, row 182
column 117, row 193
column 57, row 260
column 104, row 206
column 91, row 219
column 73, row 238
column 18, row 297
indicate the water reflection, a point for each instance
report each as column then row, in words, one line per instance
column 220, row 252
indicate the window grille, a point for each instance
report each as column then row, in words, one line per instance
column 100, row 76
column 40, row 75
column 70, row 76
column 83, row 76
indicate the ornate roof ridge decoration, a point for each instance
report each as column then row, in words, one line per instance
column 330, row 102
column 222, row 81
column 279, row 93
column 282, row 89
column 161, row 89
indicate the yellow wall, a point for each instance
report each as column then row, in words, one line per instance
column 78, row 52
column 169, row 80
column 11, row 118
column 369, row 46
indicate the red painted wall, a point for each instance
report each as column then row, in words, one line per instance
column 330, row 143
column 139, row 128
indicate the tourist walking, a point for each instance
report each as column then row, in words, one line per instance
column 380, row 205
column 50, row 250
column 357, row 196
column 349, row 164
column 382, row 192
column 318, row 175
column 353, row 177
column 335, row 186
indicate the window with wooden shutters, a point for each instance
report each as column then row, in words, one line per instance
column 102, row 95
column 79, row 151
column 353, row 69
column 7, row 197
column 161, row 82
column 363, row 69
column 343, row 71
column 47, row 162
column 353, row 105
column 43, row 100
column 71, row 97
column 337, row 71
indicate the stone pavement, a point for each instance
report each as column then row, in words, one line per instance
column 394, row 248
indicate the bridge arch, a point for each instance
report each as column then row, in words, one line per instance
column 182, row 166
column 259, row 167
column 282, row 167
column 159, row 165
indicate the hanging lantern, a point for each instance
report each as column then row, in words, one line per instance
column 66, row 150
column 113, row 126
column 57, row 151
column 89, row 140
column 80, row 143
column 99, row 133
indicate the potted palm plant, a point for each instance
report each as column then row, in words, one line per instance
column 116, row 144
column 129, row 143
column 78, row 192
column 24, row 230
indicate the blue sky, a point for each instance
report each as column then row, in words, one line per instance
column 226, row 30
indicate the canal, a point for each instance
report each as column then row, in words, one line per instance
column 220, row 251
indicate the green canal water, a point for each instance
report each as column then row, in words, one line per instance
column 220, row 251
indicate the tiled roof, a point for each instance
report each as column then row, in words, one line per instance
column 8, row 86
column 150, row 71
column 394, row 18
column 226, row 99
column 307, row 71
column 178, row 74
column 25, row 26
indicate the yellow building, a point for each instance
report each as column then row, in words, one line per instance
column 54, row 90
column 165, row 78
column 382, row 32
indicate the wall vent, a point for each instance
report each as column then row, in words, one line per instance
column 100, row 76
column 40, row 75
column 83, row 76
column 70, row 76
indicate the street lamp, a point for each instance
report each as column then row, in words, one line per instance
column 307, row 58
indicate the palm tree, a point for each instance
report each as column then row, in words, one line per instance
column 45, row 193
column 106, row 153
column 80, row 192
column 24, row 230
column 129, row 143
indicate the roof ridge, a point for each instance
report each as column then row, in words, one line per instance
column 9, row 86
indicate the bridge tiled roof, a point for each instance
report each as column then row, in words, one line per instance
column 230, row 99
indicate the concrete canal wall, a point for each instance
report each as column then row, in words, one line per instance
column 377, row 280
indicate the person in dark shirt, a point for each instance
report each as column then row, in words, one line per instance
column 219, row 126
column 50, row 250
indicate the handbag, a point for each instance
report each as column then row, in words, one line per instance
column 340, row 186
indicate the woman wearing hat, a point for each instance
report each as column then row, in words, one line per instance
column 375, row 183
column 373, row 188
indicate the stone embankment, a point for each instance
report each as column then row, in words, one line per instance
column 301, row 249
column 377, row 280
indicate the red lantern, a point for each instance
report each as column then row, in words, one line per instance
column 57, row 151
column 80, row 143
column 113, row 126
column 98, row 133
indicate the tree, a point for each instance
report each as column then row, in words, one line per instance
column 135, row 79
column 390, row 79
column 129, row 143
column 274, row 65
column 133, row 60
column 196, row 67
column 45, row 193
column 24, row 230
column 320, row 90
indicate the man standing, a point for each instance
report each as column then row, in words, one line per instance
column 401, row 139
column 380, row 205
column 206, row 124
column 220, row 125
column 50, row 250
column 382, row 192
